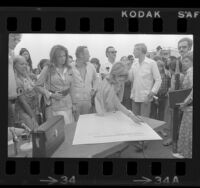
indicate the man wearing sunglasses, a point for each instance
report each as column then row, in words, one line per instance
column 111, row 54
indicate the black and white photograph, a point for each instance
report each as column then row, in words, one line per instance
column 100, row 96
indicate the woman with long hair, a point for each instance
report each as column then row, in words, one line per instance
column 110, row 92
column 25, row 53
column 55, row 83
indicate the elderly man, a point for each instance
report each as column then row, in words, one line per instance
column 84, row 81
column 111, row 57
column 146, row 81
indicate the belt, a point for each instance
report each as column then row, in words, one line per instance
column 63, row 92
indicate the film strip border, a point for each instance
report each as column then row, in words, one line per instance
column 97, row 171
column 91, row 171
column 92, row 20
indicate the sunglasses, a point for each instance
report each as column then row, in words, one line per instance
column 113, row 52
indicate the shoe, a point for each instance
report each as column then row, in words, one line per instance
column 178, row 155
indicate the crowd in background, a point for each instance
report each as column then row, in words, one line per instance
column 136, row 85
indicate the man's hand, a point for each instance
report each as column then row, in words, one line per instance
column 150, row 95
column 136, row 119
column 182, row 106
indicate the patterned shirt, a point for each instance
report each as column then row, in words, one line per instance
column 165, row 85
column 188, row 79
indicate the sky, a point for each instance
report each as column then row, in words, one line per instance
column 39, row 45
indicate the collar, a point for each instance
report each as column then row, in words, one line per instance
column 83, row 63
column 65, row 70
column 146, row 60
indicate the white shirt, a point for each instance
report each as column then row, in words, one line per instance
column 145, row 78
column 106, row 67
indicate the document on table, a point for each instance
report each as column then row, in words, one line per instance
column 112, row 127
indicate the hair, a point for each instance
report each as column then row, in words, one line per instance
column 172, row 63
column 161, row 63
column 143, row 47
column 15, row 61
column 79, row 50
column 29, row 59
column 156, row 58
column 130, row 57
column 188, row 40
column 118, row 68
column 34, row 70
column 107, row 49
column 54, row 50
column 42, row 63
column 97, row 62
column 189, row 55
column 122, row 58
column 159, row 48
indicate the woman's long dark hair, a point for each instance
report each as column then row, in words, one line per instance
column 29, row 59
column 53, row 57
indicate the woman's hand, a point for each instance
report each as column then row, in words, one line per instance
column 75, row 112
column 136, row 119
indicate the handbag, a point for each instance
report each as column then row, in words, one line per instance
column 48, row 137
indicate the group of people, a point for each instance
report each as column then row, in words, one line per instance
column 62, row 86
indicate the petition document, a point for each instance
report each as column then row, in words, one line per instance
column 112, row 127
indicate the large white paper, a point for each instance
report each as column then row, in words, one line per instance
column 112, row 127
